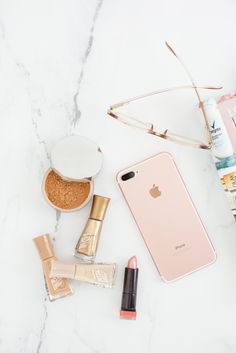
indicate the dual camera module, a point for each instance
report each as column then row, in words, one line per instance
column 128, row 176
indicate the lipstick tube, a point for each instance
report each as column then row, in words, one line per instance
column 99, row 274
column 128, row 304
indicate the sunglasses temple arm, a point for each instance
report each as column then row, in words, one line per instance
column 127, row 101
column 196, row 90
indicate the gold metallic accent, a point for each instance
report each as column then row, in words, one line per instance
column 99, row 207
column 88, row 242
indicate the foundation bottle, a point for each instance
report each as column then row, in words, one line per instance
column 99, row 274
column 87, row 245
column 56, row 287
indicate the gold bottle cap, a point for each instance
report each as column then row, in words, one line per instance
column 44, row 246
column 99, row 207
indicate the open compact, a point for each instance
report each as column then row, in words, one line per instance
column 68, row 184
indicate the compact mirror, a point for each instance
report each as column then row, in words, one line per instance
column 68, row 184
column 76, row 158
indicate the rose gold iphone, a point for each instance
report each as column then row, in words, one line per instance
column 166, row 217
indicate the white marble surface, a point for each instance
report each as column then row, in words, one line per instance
column 61, row 64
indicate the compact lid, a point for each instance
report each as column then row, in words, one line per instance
column 76, row 158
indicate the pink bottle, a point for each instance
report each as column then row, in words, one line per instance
column 227, row 107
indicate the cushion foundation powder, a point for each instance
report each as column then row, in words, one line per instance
column 64, row 194
column 74, row 162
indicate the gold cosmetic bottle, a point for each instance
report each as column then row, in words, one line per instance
column 99, row 274
column 56, row 287
column 87, row 245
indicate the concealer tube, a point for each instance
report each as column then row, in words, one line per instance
column 87, row 245
column 56, row 287
column 99, row 274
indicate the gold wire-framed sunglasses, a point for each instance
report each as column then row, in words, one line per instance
column 166, row 134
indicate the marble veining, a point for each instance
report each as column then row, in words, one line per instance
column 41, row 334
column 77, row 112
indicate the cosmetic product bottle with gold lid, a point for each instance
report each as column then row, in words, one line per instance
column 98, row 274
column 56, row 287
column 87, row 245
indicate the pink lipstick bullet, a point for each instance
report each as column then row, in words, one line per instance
column 128, row 304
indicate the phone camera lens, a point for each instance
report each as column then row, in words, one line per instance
column 128, row 176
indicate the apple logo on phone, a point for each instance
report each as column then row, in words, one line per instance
column 154, row 191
